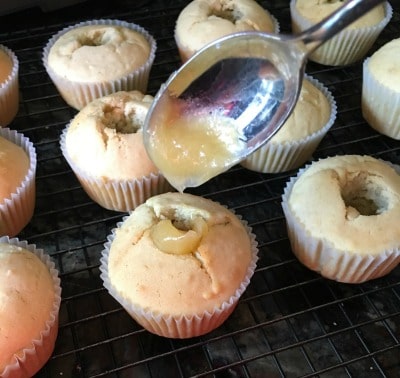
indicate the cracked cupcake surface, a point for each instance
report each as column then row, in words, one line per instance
column 103, row 144
column 105, row 138
column 98, row 52
column 179, row 254
column 96, row 58
column 203, row 21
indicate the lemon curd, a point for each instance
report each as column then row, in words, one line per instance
column 191, row 149
column 172, row 239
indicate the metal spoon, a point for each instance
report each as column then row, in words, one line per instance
column 249, row 82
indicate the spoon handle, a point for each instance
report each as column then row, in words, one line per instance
column 336, row 22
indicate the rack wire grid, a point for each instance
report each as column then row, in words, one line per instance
column 290, row 322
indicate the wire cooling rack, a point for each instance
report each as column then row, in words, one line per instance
column 290, row 322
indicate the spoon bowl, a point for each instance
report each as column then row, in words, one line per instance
column 250, row 77
column 231, row 97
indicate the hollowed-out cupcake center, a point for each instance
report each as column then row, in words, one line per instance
column 178, row 236
column 96, row 38
column 362, row 195
column 115, row 117
column 227, row 13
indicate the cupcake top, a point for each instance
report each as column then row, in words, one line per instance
column 384, row 64
column 203, row 21
column 316, row 10
column 179, row 254
column 27, row 297
column 93, row 53
column 311, row 112
column 5, row 66
column 14, row 166
column 341, row 197
column 105, row 138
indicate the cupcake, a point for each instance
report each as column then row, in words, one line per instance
column 179, row 263
column 9, row 87
column 203, row 21
column 96, row 58
column 114, row 168
column 17, row 177
column 380, row 99
column 298, row 138
column 352, row 43
column 30, row 302
column 341, row 214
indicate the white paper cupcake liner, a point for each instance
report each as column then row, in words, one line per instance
column 34, row 356
column 346, row 47
column 320, row 255
column 280, row 157
column 117, row 195
column 186, row 52
column 380, row 105
column 17, row 210
column 9, row 91
column 79, row 94
column 183, row 326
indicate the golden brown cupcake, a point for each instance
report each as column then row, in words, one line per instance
column 203, row 21
column 30, row 301
column 179, row 263
column 380, row 97
column 312, row 117
column 352, row 43
column 96, row 58
column 341, row 214
column 114, row 168
column 17, row 177
column 9, row 85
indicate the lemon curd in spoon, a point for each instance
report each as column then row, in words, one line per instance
column 194, row 147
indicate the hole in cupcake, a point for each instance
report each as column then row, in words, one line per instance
column 95, row 38
column 362, row 195
column 177, row 236
column 227, row 13
column 115, row 117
